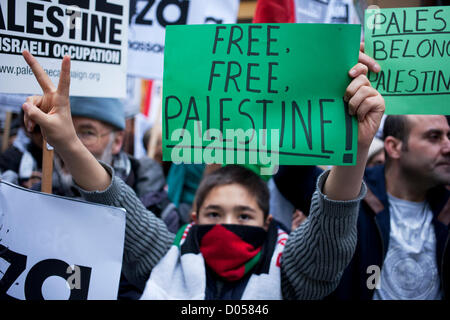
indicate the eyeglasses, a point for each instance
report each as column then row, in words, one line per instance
column 90, row 137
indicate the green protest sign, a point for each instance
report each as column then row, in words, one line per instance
column 259, row 94
column 412, row 46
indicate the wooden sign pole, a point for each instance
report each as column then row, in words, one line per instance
column 6, row 130
column 151, row 148
column 47, row 167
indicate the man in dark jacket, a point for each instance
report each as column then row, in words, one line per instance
column 403, row 249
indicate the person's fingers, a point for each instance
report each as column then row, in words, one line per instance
column 358, row 69
column 356, row 83
column 297, row 219
column 34, row 114
column 369, row 62
column 39, row 102
column 361, row 46
column 301, row 215
column 64, row 78
column 369, row 105
column 359, row 104
column 359, row 96
column 295, row 223
column 29, row 124
column 298, row 215
column 35, row 100
column 41, row 76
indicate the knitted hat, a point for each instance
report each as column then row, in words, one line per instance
column 107, row 110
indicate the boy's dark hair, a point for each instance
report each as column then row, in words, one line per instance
column 231, row 174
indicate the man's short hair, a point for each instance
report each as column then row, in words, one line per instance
column 235, row 174
column 398, row 127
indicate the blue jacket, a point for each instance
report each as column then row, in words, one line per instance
column 374, row 230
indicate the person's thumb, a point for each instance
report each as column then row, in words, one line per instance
column 34, row 114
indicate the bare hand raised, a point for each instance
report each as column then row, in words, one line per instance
column 368, row 61
column 367, row 104
column 364, row 101
column 51, row 111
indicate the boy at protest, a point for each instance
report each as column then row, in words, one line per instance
column 232, row 251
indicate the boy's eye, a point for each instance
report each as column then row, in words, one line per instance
column 244, row 217
column 212, row 214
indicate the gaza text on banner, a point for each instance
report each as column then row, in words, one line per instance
column 259, row 94
column 148, row 20
column 412, row 46
column 58, row 248
column 92, row 33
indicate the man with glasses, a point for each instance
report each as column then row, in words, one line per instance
column 100, row 125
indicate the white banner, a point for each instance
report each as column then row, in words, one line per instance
column 132, row 102
column 325, row 11
column 147, row 28
column 58, row 248
column 150, row 116
column 92, row 32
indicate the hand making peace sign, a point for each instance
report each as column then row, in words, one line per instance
column 51, row 112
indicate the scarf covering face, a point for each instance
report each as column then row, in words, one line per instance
column 231, row 251
column 181, row 273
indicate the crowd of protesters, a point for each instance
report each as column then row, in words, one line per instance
column 222, row 232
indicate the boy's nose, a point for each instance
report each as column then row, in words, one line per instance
column 229, row 219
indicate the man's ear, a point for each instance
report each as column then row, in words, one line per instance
column 194, row 217
column 267, row 222
column 393, row 147
column 119, row 136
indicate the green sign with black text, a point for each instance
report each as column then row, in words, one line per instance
column 412, row 46
column 259, row 94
